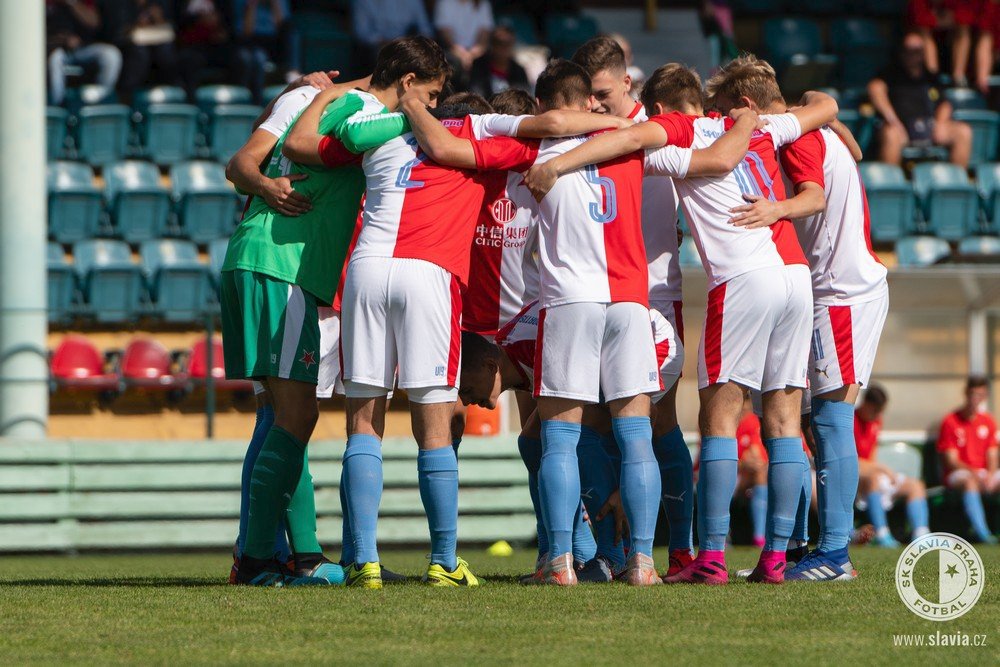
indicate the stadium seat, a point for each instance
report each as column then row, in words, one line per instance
column 229, row 127
column 204, row 200
column 920, row 251
column 217, row 255
column 985, row 132
column 890, row 200
column 565, row 33
column 949, row 202
column 901, row 458
column 862, row 50
column 980, row 248
column 179, row 283
column 55, row 132
column 75, row 205
column 169, row 132
column 522, row 25
column 688, row 253
column 111, row 283
column 794, row 50
column 209, row 97
column 271, row 92
column 77, row 364
column 146, row 364
column 139, row 205
column 322, row 46
column 861, row 126
column 78, row 97
column 102, row 133
column 965, row 98
column 197, row 367
column 988, row 184
column 147, row 97
column 61, row 284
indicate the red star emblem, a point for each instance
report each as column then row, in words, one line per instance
column 308, row 358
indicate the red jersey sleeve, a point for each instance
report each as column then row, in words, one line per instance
column 505, row 153
column 946, row 438
column 334, row 154
column 679, row 128
column 802, row 159
column 991, row 439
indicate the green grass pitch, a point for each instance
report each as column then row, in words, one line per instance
column 176, row 609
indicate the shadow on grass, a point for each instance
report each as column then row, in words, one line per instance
column 125, row 582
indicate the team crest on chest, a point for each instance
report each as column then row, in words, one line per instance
column 503, row 210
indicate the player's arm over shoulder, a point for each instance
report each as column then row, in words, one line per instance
column 816, row 110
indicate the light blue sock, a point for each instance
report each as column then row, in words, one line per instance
column 918, row 515
column 716, row 485
column 973, row 503
column 836, row 471
column 347, row 539
column 531, row 454
column 559, row 483
column 677, row 482
column 758, row 510
column 800, row 531
column 876, row 512
column 640, row 485
column 363, row 472
column 614, row 453
column 584, row 545
column 598, row 481
column 455, row 443
column 784, row 485
column 265, row 418
column 437, row 472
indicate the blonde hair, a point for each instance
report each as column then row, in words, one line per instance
column 746, row 76
column 674, row 86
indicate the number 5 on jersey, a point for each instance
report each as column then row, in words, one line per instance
column 608, row 195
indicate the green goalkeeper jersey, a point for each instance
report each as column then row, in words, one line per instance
column 309, row 250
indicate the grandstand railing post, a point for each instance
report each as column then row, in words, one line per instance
column 210, row 379
column 979, row 342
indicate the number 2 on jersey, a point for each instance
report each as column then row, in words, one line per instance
column 608, row 194
column 403, row 177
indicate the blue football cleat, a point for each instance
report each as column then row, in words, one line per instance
column 886, row 542
column 819, row 566
column 325, row 569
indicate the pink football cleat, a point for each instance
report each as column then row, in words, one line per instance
column 770, row 568
column 708, row 568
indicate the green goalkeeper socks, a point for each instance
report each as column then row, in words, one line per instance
column 301, row 515
column 275, row 477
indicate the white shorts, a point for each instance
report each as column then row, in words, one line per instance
column 587, row 351
column 330, row 380
column 844, row 342
column 955, row 477
column 668, row 337
column 401, row 317
column 757, row 329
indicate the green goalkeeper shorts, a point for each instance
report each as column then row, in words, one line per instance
column 270, row 328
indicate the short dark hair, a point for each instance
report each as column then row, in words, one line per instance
column 600, row 53
column 515, row 102
column 476, row 349
column 475, row 102
column 977, row 381
column 875, row 395
column 419, row 55
column 563, row 83
column 673, row 86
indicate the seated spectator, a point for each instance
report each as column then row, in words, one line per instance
column 377, row 22
column 464, row 27
column 264, row 33
column 913, row 110
column 879, row 486
column 70, row 30
column 967, row 445
column 954, row 18
column 203, row 39
column 496, row 70
column 752, row 470
column 146, row 40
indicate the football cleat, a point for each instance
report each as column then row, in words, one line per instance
column 539, row 564
column 795, row 554
column 325, row 569
column 640, row 571
column 679, row 559
column 862, row 534
column 770, row 568
column 819, row 566
column 557, row 572
column 273, row 574
column 367, row 575
column 436, row 575
column 597, row 570
column 702, row 570
column 886, row 541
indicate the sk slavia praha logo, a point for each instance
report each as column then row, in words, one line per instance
column 939, row 576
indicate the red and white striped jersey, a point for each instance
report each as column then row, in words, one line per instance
column 517, row 339
column 836, row 241
column 659, row 231
column 417, row 209
column 590, row 244
column 727, row 251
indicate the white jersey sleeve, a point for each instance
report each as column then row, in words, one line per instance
column 495, row 125
column 287, row 108
column 668, row 161
column 784, row 128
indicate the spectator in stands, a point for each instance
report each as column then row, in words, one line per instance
column 146, row 38
column 204, row 41
column 264, row 33
column 71, row 27
column 913, row 111
column 988, row 24
column 496, row 70
column 879, row 486
column 967, row 445
column 464, row 27
column 955, row 18
column 377, row 22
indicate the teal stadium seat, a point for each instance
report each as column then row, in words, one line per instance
column 102, row 133
column 324, row 48
column 890, row 201
column 169, row 132
column 88, row 94
column 920, row 251
column 75, row 204
column 522, row 25
column 988, row 184
column 139, row 205
column 949, row 202
column 55, row 132
column 980, row 247
column 565, row 33
column 147, row 97
column 209, row 97
column 793, row 47
column 228, row 129
column 687, row 254
column 112, row 284
column 861, row 48
column 861, row 126
column 985, row 132
column 61, row 284
column 179, row 283
column 965, row 98
column 204, row 200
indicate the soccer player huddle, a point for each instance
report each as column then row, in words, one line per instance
column 460, row 248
